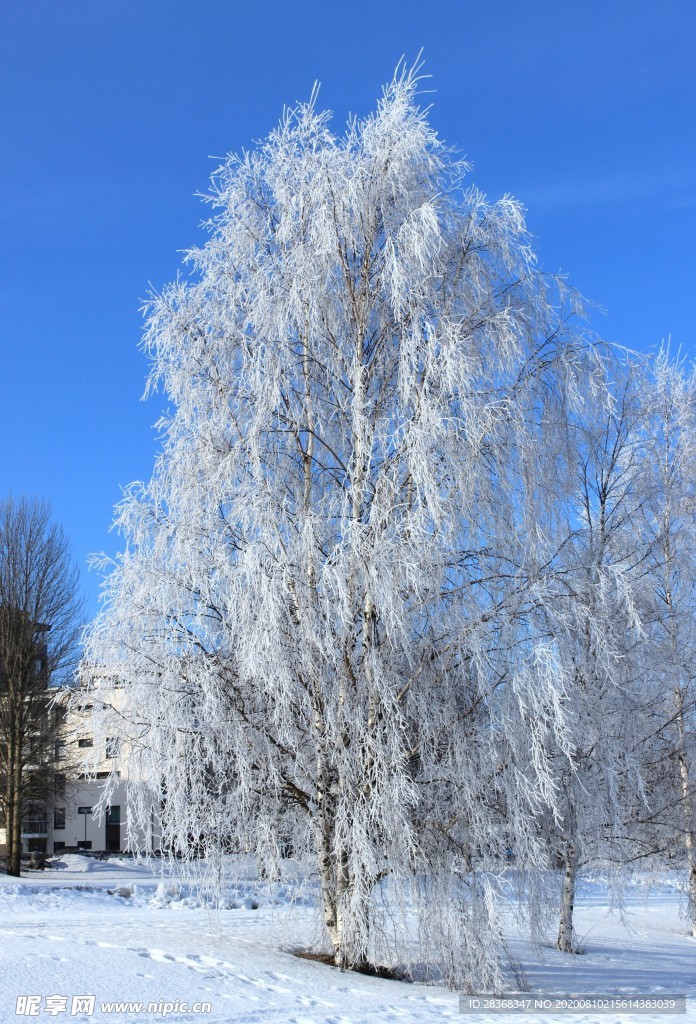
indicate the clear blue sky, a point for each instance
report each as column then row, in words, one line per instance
column 111, row 110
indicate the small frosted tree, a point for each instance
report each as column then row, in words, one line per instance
column 325, row 615
column 600, row 623
column 670, row 525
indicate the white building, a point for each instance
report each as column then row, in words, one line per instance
column 71, row 817
column 74, row 821
column 78, row 820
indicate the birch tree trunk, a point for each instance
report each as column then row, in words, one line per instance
column 566, row 935
column 687, row 804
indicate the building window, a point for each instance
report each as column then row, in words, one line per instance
column 59, row 817
column 59, row 749
column 86, row 741
column 84, row 844
column 58, row 844
column 59, row 785
column 113, row 815
column 113, row 747
column 113, row 827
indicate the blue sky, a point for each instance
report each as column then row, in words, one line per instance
column 110, row 112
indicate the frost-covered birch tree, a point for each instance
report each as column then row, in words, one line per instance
column 324, row 617
column 670, row 518
column 600, row 623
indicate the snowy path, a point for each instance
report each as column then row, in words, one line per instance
column 66, row 935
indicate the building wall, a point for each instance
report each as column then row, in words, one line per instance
column 76, row 821
column 66, row 814
column 75, row 818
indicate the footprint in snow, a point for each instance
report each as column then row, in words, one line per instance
column 192, row 965
column 153, row 954
column 306, row 1001
column 160, row 957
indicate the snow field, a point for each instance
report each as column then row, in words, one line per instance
column 121, row 932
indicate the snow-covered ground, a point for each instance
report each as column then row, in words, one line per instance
column 117, row 931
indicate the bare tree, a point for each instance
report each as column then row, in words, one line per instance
column 40, row 610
